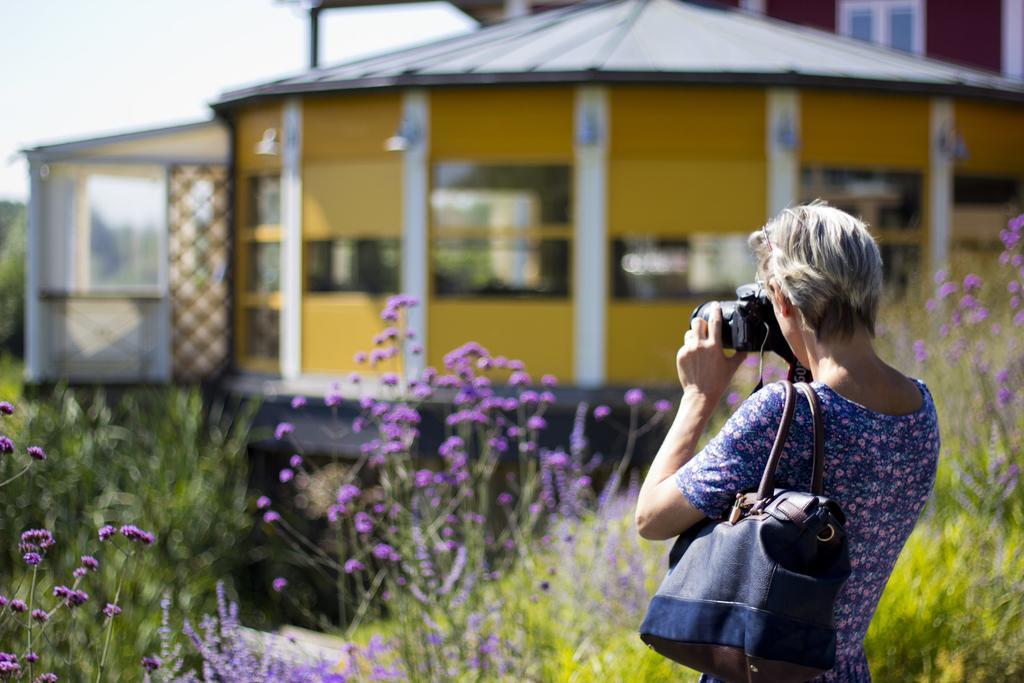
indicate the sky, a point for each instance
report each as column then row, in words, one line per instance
column 81, row 68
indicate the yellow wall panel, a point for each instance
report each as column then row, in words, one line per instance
column 667, row 197
column 335, row 327
column 994, row 135
column 676, row 122
column 540, row 333
column 250, row 126
column 864, row 129
column 502, row 122
column 352, row 199
column 349, row 126
column 643, row 339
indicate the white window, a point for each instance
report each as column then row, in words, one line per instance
column 897, row 24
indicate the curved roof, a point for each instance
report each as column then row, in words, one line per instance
column 646, row 41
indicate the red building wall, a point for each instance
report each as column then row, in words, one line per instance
column 819, row 13
column 965, row 32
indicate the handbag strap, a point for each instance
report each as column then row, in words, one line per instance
column 767, row 486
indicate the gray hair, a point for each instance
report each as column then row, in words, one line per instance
column 826, row 263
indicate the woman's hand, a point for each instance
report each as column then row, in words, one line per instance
column 703, row 367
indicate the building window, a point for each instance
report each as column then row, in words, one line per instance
column 982, row 206
column 501, row 267
column 259, row 252
column 353, row 265
column 501, row 230
column 898, row 24
column 645, row 268
column 888, row 202
column 124, row 232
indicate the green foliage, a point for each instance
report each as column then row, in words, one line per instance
column 155, row 458
column 12, row 276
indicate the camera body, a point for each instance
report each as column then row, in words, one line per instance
column 749, row 323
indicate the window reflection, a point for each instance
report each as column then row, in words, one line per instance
column 345, row 265
column 521, row 267
column 262, row 328
column 265, row 204
column 264, row 267
column 124, row 231
column 885, row 200
column 701, row 265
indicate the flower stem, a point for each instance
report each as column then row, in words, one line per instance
column 31, row 600
column 23, row 471
column 110, row 621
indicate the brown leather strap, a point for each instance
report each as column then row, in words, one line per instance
column 767, row 486
column 818, row 471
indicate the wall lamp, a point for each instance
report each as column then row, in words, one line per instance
column 268, row 145
column 787, row 138
column 950, row 144
column 589, row 131
column 405, row 138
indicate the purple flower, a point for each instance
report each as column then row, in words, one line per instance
column 6, row 445
column 382, row 551
column 930, row 305
column 504, row 498
column 279, row 584
column 389, row 379
column 360, row 357
column 528, row 397
column 634, row 397
column 971, row 282
column 333, row 398
column 549, row 380
column 519, row 379
column 353, row 565
column 9, row 666
column 285, row 475
column 601, row 412
column 536, row 422
column 347, row 493
column 107, row 531
column 663, row 406
column 946, row 289
column 137, row 535
column 79, row 572
column 61, row 592
column 354, row 378
column 920, row 352
column 283, row 430
column 423, row 478
column 36, row 453
column 295, row 461
column 18, row 606
column 262, row 503
column 41, row 538
column 111, row 610
column 298, row 402
column 47, row 677
column 1004, row 395
column 363, row 523
column 732, row 399
column 6, row 408
column 31, row 657
column 270, row 517
column 32, row 559
column 151, row 664
column 40, row 615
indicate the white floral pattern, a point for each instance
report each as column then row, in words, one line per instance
column 880, row 468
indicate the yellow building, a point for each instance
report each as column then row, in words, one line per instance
column 565, row 187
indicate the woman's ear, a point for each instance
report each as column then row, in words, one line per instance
column 781, row 303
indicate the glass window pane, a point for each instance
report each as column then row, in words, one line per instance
column 901, row 28
column 262, row 332
column 882, row 199
column 469, row 195
column 353, row 266
column 702, row 265
column 264, row 267
column 860, row 24
column 265, row 200
column 519, row 267
column 125, row 231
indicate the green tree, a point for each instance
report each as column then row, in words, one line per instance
column 12, row 277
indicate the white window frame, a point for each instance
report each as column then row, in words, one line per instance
column 1013, row 38
column 880, row 28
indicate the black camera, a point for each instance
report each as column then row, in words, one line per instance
column 749, row 324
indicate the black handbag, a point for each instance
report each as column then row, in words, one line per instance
column 751, row 598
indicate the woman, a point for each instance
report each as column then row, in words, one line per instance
column 823, row 273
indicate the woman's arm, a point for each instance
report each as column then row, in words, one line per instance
column 704, row 373
column 662, row 511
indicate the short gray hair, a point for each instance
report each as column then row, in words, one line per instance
column 826, row 263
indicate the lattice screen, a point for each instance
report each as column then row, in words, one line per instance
column 198, row 251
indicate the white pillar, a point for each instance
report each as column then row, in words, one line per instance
column 1013, row 38
column 782, row 142
column 33, row 320
column 162, row 369
column 590, row 267
column 291, row 242
column 941, row 155
column 415, row 217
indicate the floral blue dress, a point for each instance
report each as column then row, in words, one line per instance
column 880, row 468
